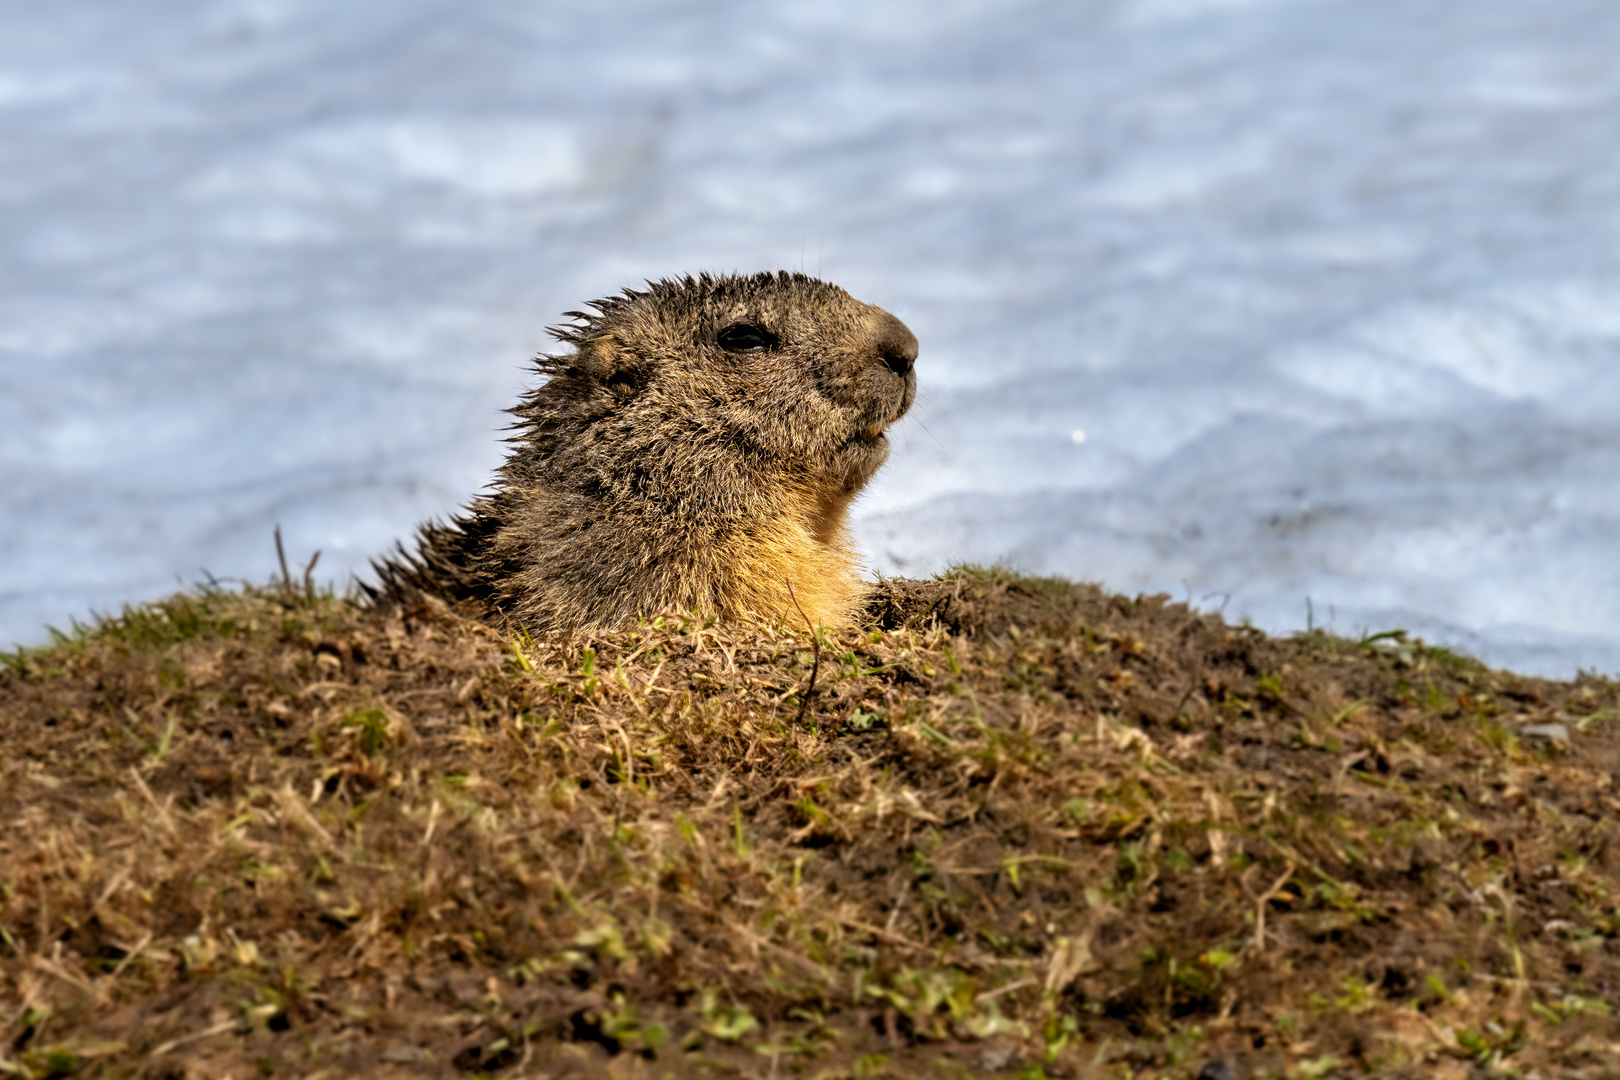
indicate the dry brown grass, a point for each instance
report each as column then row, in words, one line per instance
column 1022, row 828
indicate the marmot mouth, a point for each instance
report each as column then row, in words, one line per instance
column 876, row 427
column 874, row 434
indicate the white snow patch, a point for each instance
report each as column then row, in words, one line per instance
column 1258, row 302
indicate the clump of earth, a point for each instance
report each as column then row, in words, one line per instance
column 1008, row 826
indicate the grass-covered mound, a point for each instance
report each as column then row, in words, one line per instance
column 1019, row 827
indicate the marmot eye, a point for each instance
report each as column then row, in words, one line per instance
column 743, row 337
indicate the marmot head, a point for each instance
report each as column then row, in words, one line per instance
column 772, row 376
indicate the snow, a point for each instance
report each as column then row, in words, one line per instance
column 1277, row 305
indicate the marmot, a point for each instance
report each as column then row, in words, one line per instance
column 696, row 451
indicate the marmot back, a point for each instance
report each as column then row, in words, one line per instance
column 697, row 451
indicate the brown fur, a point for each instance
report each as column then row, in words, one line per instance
column 696, row 451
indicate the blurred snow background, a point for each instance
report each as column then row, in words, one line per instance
column 1258, row 302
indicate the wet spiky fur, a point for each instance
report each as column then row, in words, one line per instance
column 659, row 469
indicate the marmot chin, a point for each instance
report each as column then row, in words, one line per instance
column 697, row 450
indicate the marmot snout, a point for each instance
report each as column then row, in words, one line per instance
column 696, row 451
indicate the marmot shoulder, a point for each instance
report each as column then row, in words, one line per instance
column 696, row 449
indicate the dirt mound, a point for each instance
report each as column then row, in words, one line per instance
column 1018, row 827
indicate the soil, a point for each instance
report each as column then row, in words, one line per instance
column 1011, row 826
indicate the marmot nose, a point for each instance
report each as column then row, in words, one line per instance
column 896, row 344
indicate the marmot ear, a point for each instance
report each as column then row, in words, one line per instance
column 597, row 358
column 605, row 361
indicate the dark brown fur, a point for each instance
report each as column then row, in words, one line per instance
column 671, row 461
